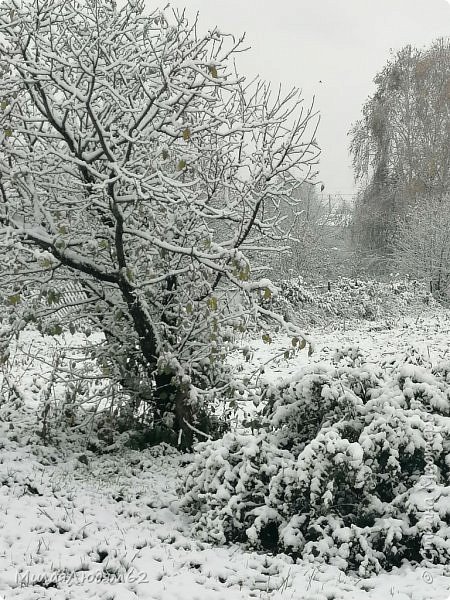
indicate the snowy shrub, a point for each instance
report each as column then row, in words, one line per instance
column 349, row 299
column 351, row 467
column 231, row 478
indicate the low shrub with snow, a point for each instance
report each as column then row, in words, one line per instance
column 351, row 466
column 350, row 299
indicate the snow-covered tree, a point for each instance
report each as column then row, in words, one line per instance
column 400, row 145
column 137, row 169
column 422, row 247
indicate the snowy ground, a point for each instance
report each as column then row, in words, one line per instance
column 74, row 525
column 427, row 334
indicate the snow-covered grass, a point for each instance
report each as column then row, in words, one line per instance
column 78, row 525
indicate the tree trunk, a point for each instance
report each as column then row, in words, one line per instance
column 169, row 395
column 174, row 398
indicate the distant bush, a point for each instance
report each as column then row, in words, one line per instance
column 349, row 299
column 351, row 466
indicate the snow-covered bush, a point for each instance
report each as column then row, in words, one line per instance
column 349, row 299
column 231, row 478
column 351, row 467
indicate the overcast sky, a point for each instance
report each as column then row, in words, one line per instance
column 342, row 43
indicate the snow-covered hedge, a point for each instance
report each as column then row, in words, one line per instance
column 351, row 466
column 349, row 299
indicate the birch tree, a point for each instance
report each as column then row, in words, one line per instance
column 137, row 169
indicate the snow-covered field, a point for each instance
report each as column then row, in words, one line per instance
column 76, row 525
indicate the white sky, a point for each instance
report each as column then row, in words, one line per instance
column 343, row 43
